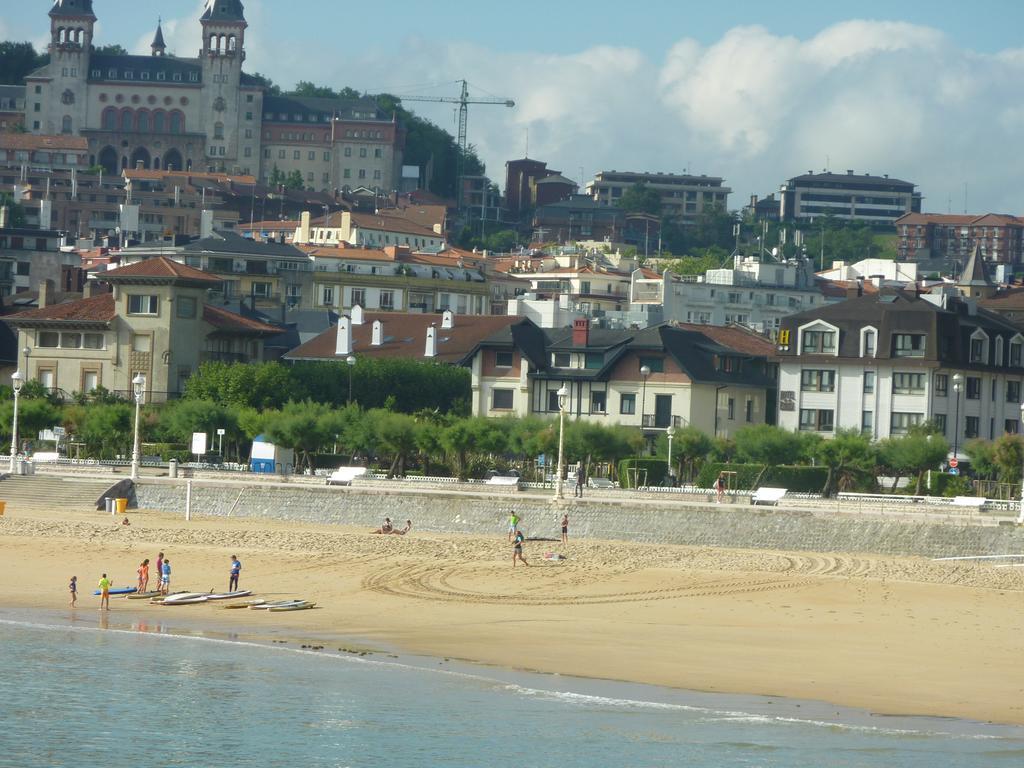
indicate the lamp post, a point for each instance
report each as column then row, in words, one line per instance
column 16, row 381
column 957, row 378
column 138, row 389
column 670, row 432
column 645, row 371
column 26, row 352
column 1020, row 516
column 563, row 397
column 351, row 360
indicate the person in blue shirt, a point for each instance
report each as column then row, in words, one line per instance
column 165, row 577
column 236, row 569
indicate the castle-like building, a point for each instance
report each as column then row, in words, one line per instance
column 204, row 113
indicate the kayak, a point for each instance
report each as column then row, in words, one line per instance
column 297, row 605
column 229, row 595
column 185, row 598
column 119, row 591
column 245, row 604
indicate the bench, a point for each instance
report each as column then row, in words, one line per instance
column 600, row 482
column 43, row 457
column 969, row 501
column 768, row 496
column 502, row 480
column 345, row 475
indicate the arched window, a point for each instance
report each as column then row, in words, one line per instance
column 218, row 130
column 65, row 124
column 159, row 121
column 177, row 122
column 142, row 120
column 110, row 119
column 231, row 43
column 60, row 35
column 126, row 120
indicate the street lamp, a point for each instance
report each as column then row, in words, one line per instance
column 670, row 432
column 26, row 352
column 138, row 389
column 351, row 360
column 563, row 398
column 957, row 378
column 16, row 381
column 645, row 371
column 1020, row 517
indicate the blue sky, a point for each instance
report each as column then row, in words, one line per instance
column 752, row 91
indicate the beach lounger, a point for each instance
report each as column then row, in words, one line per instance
column 768, row 496
column 600, row 482
column 969, row 501
column 345, row 475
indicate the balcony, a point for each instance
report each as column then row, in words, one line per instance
column 661, row 421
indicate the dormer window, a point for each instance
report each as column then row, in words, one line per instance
column 979, row 347
column 194, row 77
column 908, row 345
column 868, row 341
column 819, row 342
column 561, row 359
column 1015, row 356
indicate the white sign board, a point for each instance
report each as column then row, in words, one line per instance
column 261, row 450
column 198, row 443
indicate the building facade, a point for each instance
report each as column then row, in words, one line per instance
column 873, row 200
column 924, row 236
column 683, row 196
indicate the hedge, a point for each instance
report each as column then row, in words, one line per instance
column 656, row 469
column 793, row 478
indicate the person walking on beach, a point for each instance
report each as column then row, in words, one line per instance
column 159, row 568
column 73, row 589
column 165, row 577
column 581, row 479
column 236, row 569
column 513, row 524
column 104, row 587
column 720, row 486
column 143, row 576
column 517, row 549
column 565, row 528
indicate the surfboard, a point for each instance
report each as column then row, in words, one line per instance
column 118, row 591
column 298, row 605
column 264, row 606
column 143, row 595
column 245, row 604
column 229, row 595
column 185, row 598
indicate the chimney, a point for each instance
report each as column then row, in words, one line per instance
column 90, row 289
column 357, row 315
column 303, row 236
column 45, row 293
column 431, row 349
column 854, row 289
column 378, row 334
column 447, row 319
column 343, row 345
column 581, row 332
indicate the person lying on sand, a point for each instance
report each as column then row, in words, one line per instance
column 389, row 528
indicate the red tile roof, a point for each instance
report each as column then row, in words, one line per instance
column 95, row 309
column 405, row 336
column 142, row 173
column 160, row 267
column 223, row 320
column 733, row 336
column 29, row 141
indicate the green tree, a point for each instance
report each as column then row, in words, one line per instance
column 267, row 83
column 640, row 198
column 295, row 181
column 982, row 456
column 1008, row 454
column 850, row 458
column 690, row 447
column 397, row 437
column 913, row 454
column 15, row 211
column 768, row 445
column 18, row 60
column 34, row 415
column 304, row 427
column 844, row 241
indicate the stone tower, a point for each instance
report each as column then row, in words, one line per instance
column 222, row 55
column 63, row 109
column 974, row 281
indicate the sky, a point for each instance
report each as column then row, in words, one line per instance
column 754, row 92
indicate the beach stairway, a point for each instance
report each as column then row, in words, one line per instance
column 52, row 491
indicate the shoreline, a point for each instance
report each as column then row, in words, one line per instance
column 764, row 708
column 892, row 636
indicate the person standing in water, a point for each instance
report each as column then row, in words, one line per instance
column 104, row 587
column 517, row 549
column 73, row 589
column 143, row 576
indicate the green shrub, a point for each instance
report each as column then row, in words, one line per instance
column 655, row 468
column 951, row 485
column 744, row 479
column 796, row 479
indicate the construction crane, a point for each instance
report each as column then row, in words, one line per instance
column 463, row 101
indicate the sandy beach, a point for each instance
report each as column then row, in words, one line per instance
column 891, row 635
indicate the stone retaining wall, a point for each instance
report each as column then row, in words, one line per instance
column 698, row 524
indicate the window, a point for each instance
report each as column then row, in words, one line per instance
column 348, row 151
column 142, row 305
column 362, row 151
column 1015, row 354
column 186, row 309
column 869, row 382
column 817, row 381
column 973, row 388
column 656, row 364
column 503, row 359
column 977, row 350
column 627, row 404
column 92, row 340
column 816, row 419
column 1013, row 391
column 90, row 380
column 908, row 345
column 358, row 297
column 593, row 361
column 553, row 400
column 347, row 173
column 902, row 422
column 248, row 116
column 378, row 153
column 280, row 154
column 387, row 301
column 939, row 420
column 327, row 156
column 141, row 343
column 867, row 422
column 869, row 343
column 218, row 131
column 598, row 402
column 749, row 411
column 247, row 152
column 971, row 426
column 297, row 154
column 730, row 408
column 327, row 295
column 71, row 340
column 562, row 359
column 49, row 339
column 908, row 383
column 941, row 384
column 362, row 173
column 819, row 342
column 1010, row 426
column 501, row 399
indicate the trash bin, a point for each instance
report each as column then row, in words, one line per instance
column 172, row 468
column 3, row 506
column 108, row 502
column 122, row 505
column 30, row 467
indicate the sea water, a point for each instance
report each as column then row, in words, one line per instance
column 81, row 695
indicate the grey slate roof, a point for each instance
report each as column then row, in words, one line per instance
column 72, row 8
column 852, row 180
column 111, row 67
column 223, row 10
column 320, row 110
column 231, row 242
column 158, row 38
column 975, row 272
